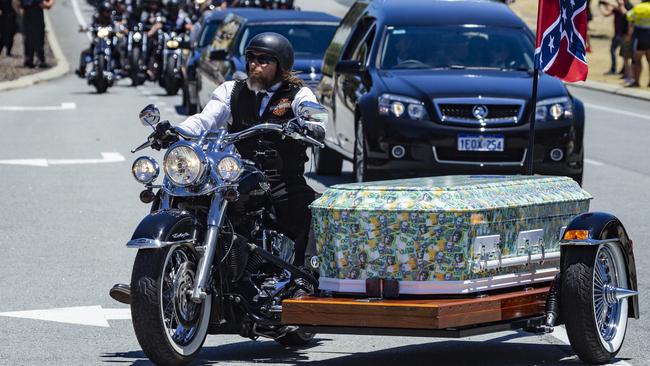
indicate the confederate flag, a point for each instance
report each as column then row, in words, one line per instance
column 561, row 34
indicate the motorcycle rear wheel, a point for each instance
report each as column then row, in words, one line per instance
column 170, row 328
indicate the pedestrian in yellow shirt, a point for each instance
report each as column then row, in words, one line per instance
column 639, row 33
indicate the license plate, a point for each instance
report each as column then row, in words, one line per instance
column 480, row 142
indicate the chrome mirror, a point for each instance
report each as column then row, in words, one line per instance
column 312, row 112
column 150, row 115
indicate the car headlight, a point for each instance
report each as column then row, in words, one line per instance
column 183, row 165
column 103, row 32
column 553, row 109
column 229, row 168
column 145, row 169
column 172, row 44
column 397, row 105
column 137, row 36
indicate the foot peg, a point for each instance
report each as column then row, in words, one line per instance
column 121, row 293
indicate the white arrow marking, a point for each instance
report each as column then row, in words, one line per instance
column 62, row 107
column 107, row 157
column 81, row 315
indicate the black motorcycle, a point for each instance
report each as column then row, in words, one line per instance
column 171, row 77
column 210, row 259
column 136, row 48
column 102, row 75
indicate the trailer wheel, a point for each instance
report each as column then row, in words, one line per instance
column 594, row 300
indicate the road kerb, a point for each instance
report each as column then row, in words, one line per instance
column 60, row 69
column 613, row 89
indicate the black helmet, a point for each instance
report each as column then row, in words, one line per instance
column 275, row 45
column 104, row 7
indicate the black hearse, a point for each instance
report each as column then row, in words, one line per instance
column 442, row 87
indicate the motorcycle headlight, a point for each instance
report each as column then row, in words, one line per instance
column 183, row 165
column 145, row 169
column 102, row 32
column 137, row 36
column 397, row 105
column 172, row 44
column 553, row 109
column 229, row 168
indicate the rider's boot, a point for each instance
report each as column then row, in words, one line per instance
column 121, row 293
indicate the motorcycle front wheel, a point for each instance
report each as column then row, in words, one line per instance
column 101, row 84
column 169, row 327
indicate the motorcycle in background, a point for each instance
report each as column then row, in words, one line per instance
column 102, row 75
column 210, row 259
column 137, row 45
column 171, row 77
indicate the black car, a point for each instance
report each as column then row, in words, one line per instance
column 309, row 32
column 201, row 37
column 442, row 88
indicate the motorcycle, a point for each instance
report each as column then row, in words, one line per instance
column 171, row 78
column 137, row 45
column 210, row 260
column 102, row 75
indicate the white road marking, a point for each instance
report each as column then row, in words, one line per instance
column 107, row 157
column 593, row 162
column 81, row 315
column 62, row 107
column 79, row 16
column 618, row 111
column 153, row 97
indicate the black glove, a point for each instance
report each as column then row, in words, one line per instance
column 162, row 140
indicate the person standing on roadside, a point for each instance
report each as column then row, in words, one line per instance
column 8, row 25
column 618, row 12
column 639, row 34
column 34, row 30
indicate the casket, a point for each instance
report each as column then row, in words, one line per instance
column 443, row 235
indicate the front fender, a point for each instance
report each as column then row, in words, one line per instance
column 166, row 227
column 602, row 226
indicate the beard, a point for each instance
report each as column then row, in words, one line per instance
column 257, row 81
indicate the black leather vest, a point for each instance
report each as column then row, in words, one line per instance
column 283, row 160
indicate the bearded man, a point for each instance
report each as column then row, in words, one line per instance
column 270, row 94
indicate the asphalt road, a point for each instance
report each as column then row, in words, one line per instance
column 70, row 204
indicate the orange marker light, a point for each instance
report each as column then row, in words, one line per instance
column 576, row 235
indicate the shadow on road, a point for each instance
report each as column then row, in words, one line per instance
column 499, row 351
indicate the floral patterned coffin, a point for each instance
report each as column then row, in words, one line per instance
column 454, row 234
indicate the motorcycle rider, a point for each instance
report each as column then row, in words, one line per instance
column 176, row 20
column 271, row 93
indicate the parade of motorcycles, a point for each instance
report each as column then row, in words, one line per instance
column 340, row 182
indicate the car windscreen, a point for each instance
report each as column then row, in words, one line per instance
column 208, row 33
column 308, row 40
column 456, row 47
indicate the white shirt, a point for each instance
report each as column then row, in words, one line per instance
column 216, row 114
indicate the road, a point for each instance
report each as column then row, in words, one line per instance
column 70, row 204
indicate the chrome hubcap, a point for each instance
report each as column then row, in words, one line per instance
column 608, row 295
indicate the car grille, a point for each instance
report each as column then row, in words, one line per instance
column 499, row 111
column 453, row 156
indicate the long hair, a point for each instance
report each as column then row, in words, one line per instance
column 290, row 77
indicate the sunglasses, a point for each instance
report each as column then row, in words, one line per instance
column 259, row 59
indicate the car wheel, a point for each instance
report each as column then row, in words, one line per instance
column 360, row 163
column 594, row 301
column 328, row 161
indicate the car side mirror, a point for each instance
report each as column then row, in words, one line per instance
column 348, row 67
column 218, row 54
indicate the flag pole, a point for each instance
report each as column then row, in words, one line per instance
column 533, row 102
column 531, row 134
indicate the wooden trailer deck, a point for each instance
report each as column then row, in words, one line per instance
column 416, row 313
